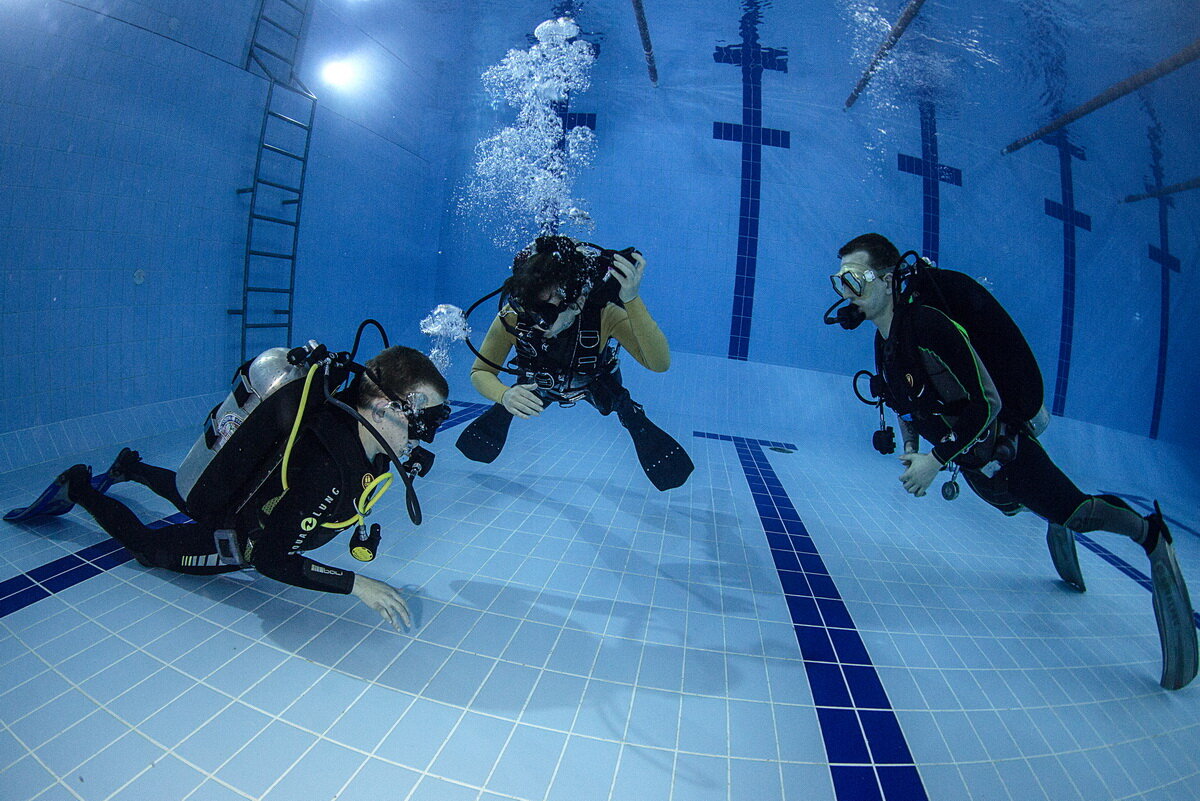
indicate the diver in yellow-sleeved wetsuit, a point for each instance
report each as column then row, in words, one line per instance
column 566, row 302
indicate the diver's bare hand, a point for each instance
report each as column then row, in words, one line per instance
column 628, row 274
column 384, row 599
column 521, row 401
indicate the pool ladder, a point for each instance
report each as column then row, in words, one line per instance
column 273, row 225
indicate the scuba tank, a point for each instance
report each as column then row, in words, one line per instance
column 244, row 435
column 248, row 435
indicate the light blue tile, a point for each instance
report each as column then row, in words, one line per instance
column 365, row 723
column 575, row 652
column 586, row 770
column 379, row 779
column 807, row 782
column 618, row 660
column 52, row 719
column 506, row 690
column 26, row 778
column 265, row 758
column 114, row 766
column 654, row 719
column 758, row 780
column 245, row 669
column 644, row 773
column 432, row 788
column 223, row 736
column 527, row 763
column 703, row 725
column 323, row 702
column 282, row 686
column 212, row 791
column 554, row 701
column 78, row 743
column 167, row 778
column 185, row 714
column 662, row 668
column 457, row 681
column 120, row 677
column 414, row 667
column 419, row 733
column 531, row 644
column 701, row 778
column 319, row 775
column 751, row 730
column 704, row 672
column 471, row 750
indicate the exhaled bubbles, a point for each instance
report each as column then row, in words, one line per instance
column 523, row 174
column 445, row 324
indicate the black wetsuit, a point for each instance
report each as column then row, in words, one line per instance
column 328, row 469
column 935, row 377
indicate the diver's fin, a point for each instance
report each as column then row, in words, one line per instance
column 666, row 463
column 1066, row 560
column 1172, row 607
column 484, row 438
column 53, row 502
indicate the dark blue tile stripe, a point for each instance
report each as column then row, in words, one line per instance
column 1161, row 255
column 868, row 755
column 20, row 591
column 1121, row 565
column 753, row 58
column 1071, row 219
column 933, row 174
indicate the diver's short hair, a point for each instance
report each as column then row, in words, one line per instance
column 879, row 249
column 550, row 261
column 401, row 370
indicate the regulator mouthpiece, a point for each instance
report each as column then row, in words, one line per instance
column 848, row 317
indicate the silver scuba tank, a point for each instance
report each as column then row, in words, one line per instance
column 257, row 380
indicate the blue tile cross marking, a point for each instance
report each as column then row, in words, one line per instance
column 868, row 755
column 933, row 174
column 20, row 591
column 753, row 58
column 1161, row 255
column 1071, row 218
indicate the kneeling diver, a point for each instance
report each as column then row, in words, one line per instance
column 254, row 503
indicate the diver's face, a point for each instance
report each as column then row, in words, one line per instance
column 556, row 297
column 859, row 283
column 389, row 420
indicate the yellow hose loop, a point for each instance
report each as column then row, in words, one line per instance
column 287, row 452
column 365, row 501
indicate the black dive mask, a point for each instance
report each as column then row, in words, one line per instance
column 424, row 423
column 848, row 317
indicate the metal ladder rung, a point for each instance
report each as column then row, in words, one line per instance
column 285, row 118
column 279, row 220
column 279, row 186
column 282, row 152
column 272, row 22
column 270, row 255
column 262, row 65
column 269, row 51
column 268, row 289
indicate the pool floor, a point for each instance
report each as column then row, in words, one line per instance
column 787, row 625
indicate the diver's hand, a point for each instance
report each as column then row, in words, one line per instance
column 383, row 599
column 521, row 401
column 922, row 468
column 628, row 274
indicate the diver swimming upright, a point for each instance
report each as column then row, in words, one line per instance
column 560, row 309
column 956, row 369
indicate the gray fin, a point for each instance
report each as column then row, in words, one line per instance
column 1061, row 541
column 1173, row 613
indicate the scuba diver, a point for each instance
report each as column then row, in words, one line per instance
column 956, row 369
column 281, row 470
column 560, row 309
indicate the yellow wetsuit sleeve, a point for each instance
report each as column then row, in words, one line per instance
column 637, row 332
column 496, row 346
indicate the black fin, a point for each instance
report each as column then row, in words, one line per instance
column 666, row 463
column 484, row 438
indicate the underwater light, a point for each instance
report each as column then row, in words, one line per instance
column 340, row 73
